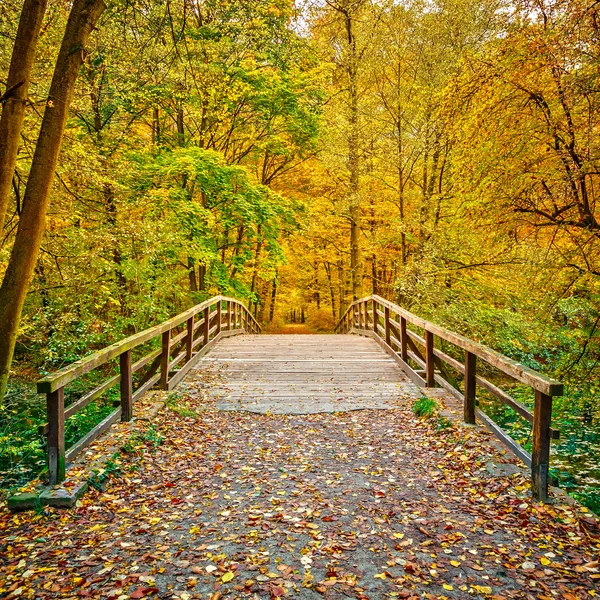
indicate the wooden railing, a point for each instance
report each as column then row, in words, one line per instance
column 184, row 339
column 387, row 323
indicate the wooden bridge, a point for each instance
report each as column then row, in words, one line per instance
column 393, row 356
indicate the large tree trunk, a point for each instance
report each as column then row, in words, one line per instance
column 354, row 160
column 327, row 266
column 84, row 16
column 273, row 298
column 15, row 96
column 192, row 274
column 401, row 183
column 254, row 284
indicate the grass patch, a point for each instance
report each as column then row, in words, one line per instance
column 112, row 468
column 150, row 439
column 443, row 423
column 425, row 407
column 177, row 405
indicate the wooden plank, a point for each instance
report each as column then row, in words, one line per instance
column 540, row 448
column 206, row 327
column 517, row 450
column 177, row 377
column 495, row 391
column 511, row 367
column 386, row 325
column 178, row 337
column 455, row 364
column 145, row 360
column 126, row 385
column 94, row 434
column 176, row 360
column 438, row 361
column 410, row 373
column 189, row 338
column 73, row 371
column 403, row 340
column 417, row 358
column 164, row 359
column 375, row 317
column 90, row 396
column 55, row 409
column 470, row 387
column 429, row 360
column 153, row 368
column 144, row 387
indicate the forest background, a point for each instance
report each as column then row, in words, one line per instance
column 444, row 154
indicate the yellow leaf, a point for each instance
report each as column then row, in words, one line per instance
column 482, row 589
column 227, row 577
column 545, row 561
column 380, row 576
column 455, row 563
column 447, row 587
column 399, row 535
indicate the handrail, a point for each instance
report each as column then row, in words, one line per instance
column 188, row 345
column 364, row 316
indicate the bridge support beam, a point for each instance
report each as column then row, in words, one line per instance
column 470, row 387
column 55, row 407
column 429, row 360
column 125, row 386
column 540, row 449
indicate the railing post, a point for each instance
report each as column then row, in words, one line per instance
column 228, row 318
column 429, row 360
column 219, row 317
column 386, row 319
column 470, row 387
column 375, row 317
column 540, row 449
column 55, row 407
column 125, row 386
column 165, row 359
column 189, row 338
column 360, row 315
column 403, row 340
column 206, row 325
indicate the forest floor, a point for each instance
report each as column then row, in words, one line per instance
column 369, row 504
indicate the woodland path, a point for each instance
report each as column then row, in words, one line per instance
column 365, row 503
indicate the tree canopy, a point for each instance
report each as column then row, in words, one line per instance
column 298, row 155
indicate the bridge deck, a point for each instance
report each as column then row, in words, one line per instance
column 300, row 374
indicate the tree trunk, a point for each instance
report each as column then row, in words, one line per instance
column 354, row 163
column 401, row 183
column 331, row 288
column 273, row 298
column 15, row 96
column 192, row 274
column 82, row 19
column 253, row 286
column 201, row 278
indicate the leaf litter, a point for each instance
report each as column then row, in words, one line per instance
column 370, row 504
